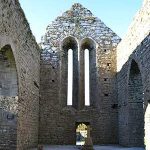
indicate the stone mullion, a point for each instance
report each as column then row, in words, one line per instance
column 81, row 79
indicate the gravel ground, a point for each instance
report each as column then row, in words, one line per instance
column 96, row 147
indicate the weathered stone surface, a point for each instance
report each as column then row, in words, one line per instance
column 138, row 30
column 119, row 100
column 133, row 81
column 133, row 101
column 78, row 29
column 15, row 32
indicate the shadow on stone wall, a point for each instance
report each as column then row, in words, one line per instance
column 8, row 129
column 133, row 97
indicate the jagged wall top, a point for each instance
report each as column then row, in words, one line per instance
column 77, row 10
column 137, row 31
column 80, row 23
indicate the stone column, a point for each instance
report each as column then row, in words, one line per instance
column 81, row 79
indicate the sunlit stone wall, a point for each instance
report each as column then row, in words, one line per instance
column 138, row 30
column 15, row 31
column 57, row 120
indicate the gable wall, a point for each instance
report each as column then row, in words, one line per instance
column 57, row 120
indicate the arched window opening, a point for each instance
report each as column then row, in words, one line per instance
column 70, row 77
column 88, row 47
column 136, row 111
column 8, row 98
column 87, row 77
column 69, row 72
column 8, row 73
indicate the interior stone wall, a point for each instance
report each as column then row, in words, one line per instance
column 57, row 121
column 109, row 112
column 137, row 31
column 129, row 118
column 135, row 106
column 134, row 47
column 8, row 99
column 8, row 122
column 15, row 31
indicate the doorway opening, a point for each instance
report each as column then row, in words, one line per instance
column 81, row 132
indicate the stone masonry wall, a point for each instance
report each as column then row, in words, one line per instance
column 8, row 99
column 8, row 122
column 57, row 120
column 138, row 30
column 134, row 48
column 141, row 56
column 15, row 31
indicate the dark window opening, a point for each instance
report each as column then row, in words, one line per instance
column 105, row 94
column 10, row 116
column 105, row 50
column 108, row 64
column 35, row 83
column 105, row 79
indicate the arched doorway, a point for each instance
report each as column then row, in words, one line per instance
column 8, row 99
column 135, row 107
column 81, row 132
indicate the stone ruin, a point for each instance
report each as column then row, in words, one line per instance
column 34, row 107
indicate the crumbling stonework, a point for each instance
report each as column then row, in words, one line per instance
column 140, row 57
column 78, row 29
column 119, row 110
column 15, row 33
column 133, row 68
column 138, row 30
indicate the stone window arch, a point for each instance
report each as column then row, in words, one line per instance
column 69, row 46
column 135, row 106
column 88, row 69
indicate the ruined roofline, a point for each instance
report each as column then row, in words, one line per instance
column 77, row 10
column 24, row 22
column 76, row 15
column 134, row 36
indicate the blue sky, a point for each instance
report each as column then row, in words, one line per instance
column 116, row 14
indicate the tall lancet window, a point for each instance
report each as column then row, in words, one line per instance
column 88, row 49
column 87, row 77
column 70, row 77
column 69, row 72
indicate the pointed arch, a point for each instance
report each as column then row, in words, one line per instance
column 69, row 71
column 135, row 106
column 8, row 96
column 88, row 51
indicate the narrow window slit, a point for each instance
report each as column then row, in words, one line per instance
column 105, row 94
column 70, row 77
column 87, row 77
